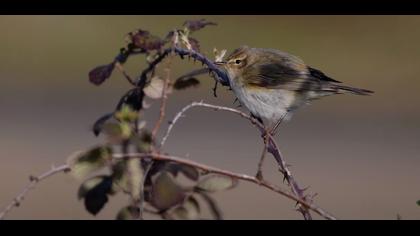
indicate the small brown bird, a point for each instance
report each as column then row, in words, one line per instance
column 273, row 84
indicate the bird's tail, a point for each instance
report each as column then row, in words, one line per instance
column 347, row 89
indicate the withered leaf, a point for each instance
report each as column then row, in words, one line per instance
column 184, row 83
column 194, row 25
column 100, row 73
column 195, row 45
column 144, row 40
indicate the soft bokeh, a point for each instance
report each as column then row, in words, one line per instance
column 360, row 154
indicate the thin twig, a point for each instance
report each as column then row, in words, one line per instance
column 162, row 105
column 239, row 176
column 120, row 67
column 261, row 162
column 271, row 148
column 17, row 201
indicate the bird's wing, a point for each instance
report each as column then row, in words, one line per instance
column 285, row 72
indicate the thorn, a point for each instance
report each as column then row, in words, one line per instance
column 259, row 176
column 304, row 189
column 236, row 99
column 33, row 178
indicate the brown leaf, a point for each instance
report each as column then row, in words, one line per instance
column 183, row 83
column 194, row 25
column 142, row 39
column 100, row 73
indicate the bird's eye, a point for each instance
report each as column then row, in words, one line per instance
column 238, row 62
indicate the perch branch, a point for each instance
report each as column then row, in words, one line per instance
column 271, row 147
column 33, row 180
column 220, row 75
column 239, row 176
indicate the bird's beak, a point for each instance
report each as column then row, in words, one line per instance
column 220, row 63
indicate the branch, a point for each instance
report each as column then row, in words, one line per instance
column 244, row 177
column 271, row 147
column 17, row 201
column 221, row 76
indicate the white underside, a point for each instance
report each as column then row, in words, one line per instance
column 269, row 104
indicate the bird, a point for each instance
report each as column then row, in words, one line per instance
column 273, row 84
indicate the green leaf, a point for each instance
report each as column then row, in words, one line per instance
column 85, row 163
column 128, row 213
column 142, row 142
column 95, row 191
column 117, row 132
column 214, row 208
column 190, row 210
column 214, row 183
column 119, row 177
column 166, row 192
column 126, row 114
column 135, row 175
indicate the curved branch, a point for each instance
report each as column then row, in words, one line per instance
column 271, row 147
column 17, row 201
column 239, row 176
column 221, row 76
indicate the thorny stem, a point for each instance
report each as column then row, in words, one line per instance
column 34, row 180
column 239, row 176
column 271, row 147
column 261, row 162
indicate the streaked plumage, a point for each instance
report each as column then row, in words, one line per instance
column 271, row 83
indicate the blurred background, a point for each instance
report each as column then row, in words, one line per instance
column 360, row 154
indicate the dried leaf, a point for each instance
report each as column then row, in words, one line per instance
column 219, row 55
column 84, row 163
column 128, row 213
column 214, row 183
column 99, row 74
column 195, row 45
column 183, row 83
column 155, row 88
column 142, row 39
column 194, row 25
column 166, row 192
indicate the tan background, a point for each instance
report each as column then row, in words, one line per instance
column 360, row 154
